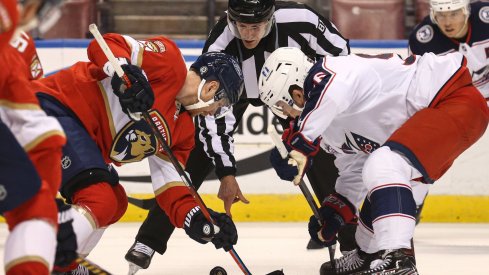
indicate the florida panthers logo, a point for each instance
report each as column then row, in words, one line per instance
column 136, row 140
column 36, row 68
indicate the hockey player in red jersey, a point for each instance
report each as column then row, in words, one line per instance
column 30, row 151
column 388, row 121
column 96, row 111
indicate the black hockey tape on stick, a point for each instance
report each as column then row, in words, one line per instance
column 93, row 268
column 277, row 141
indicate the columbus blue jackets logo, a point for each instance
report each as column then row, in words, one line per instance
column 356, row 143
column 425, row 34
column 484, row 14
column 136, row 140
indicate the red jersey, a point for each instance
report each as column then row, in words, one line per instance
column 27, row 48
column 85, row 89
column 40, row 135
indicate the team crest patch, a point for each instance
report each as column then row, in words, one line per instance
column 153, row 46
column 425, row 34
column 136, row 140
column 36, row 68
column 484, row 14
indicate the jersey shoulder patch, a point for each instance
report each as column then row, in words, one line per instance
column 425, row 34
column 484, row 14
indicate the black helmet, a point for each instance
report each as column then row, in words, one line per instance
column 225, row 69
column 251, row 11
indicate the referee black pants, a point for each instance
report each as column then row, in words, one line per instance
column 157, row 229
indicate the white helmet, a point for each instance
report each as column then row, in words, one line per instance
column 449, row 5
column 284, row 67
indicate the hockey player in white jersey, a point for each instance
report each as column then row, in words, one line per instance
column 388, row 121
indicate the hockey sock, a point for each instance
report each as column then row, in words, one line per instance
column 24, row 245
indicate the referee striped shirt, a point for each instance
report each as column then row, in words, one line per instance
column 296, row 25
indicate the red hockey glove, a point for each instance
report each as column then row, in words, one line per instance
column 336, row 211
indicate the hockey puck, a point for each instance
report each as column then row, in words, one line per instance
column 218, row 271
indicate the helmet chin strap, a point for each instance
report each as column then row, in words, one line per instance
column 200, row 103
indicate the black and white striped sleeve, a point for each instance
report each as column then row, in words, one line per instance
column 304, row 23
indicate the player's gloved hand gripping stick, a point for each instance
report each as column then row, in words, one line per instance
column 277, row 141
column 118, row 70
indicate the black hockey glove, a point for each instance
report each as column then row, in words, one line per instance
column 66, row 237
column 201, row 230
column 139, row 97
column 335, row 212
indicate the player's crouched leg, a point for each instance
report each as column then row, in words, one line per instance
column 106, row 203
column 25, row 252
column 94, row 207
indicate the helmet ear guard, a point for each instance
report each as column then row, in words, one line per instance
column 284, row 70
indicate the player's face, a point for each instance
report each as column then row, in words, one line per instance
column 208, row 92
column 251, row 34
column 452, row 23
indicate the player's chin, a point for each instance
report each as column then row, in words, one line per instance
column 250, row 44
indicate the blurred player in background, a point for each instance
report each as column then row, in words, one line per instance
column 29, row 182
column 455, row 26
column 388, row 121
column 250, row 31
column 96, row 110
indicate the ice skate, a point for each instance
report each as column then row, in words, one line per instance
column 393, row 262
column 351, row 262
column 139, row 257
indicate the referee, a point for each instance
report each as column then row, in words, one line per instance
column 250, row 30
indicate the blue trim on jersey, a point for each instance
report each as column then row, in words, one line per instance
column 392, row 201
column 395, row 146
column 19, row 180
column 80, row 152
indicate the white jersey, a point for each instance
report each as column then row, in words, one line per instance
column 355, row 104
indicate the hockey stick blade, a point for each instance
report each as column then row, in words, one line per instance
column 145, row 204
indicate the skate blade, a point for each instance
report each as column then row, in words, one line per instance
column 133, row 269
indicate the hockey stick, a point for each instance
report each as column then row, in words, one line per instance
column 93, row 268
column 105, row 48
column 277, row 141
